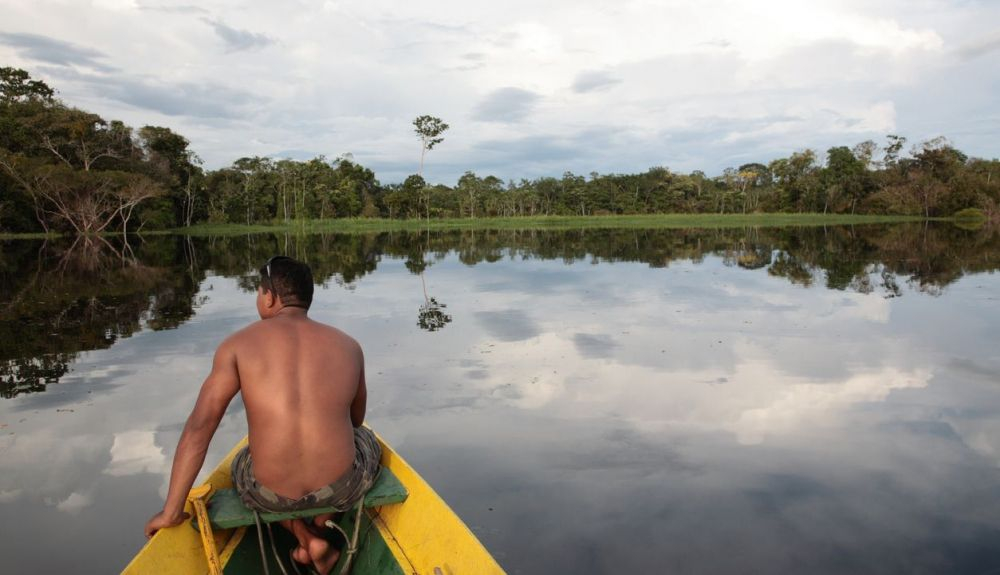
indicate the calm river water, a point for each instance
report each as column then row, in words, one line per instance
column 808, row 400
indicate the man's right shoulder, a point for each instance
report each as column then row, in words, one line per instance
column 344, row 338
column 243, row 336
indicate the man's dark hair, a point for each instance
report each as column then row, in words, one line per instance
column 289, row 279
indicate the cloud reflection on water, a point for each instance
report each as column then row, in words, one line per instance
column 599, row 418
column 136, row 452
column 755, row 412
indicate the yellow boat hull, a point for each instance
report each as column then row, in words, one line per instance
column 423, row 534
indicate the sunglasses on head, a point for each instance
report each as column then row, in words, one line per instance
column 267, row 266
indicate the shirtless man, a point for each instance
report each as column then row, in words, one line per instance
column 303, row 385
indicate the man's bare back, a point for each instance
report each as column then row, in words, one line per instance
column 303, row 387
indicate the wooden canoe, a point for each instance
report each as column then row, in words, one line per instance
column 421, row 536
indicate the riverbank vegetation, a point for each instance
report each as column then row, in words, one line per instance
column 67, row 170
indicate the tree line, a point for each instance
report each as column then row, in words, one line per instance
column 65, row 169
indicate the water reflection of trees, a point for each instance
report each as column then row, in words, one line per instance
column 431, row 315
column 58, row 299
column 860, row 258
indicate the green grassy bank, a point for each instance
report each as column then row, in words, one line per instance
column 548, row 223
column 28, row 236
column 656, row 221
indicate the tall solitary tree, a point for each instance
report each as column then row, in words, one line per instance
column 429, row 129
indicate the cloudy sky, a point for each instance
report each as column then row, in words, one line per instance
column 529, row 89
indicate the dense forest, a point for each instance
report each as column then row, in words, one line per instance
column 67, row 170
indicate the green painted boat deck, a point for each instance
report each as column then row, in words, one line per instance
column 373, row 557
column 225, row 510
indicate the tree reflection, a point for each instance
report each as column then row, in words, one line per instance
column 431, row 315
column 791, row 268
column 60, row 298
column 30, row 374
column 63, row 299
column 838, row 257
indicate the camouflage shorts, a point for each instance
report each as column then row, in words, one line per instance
column 341, row 494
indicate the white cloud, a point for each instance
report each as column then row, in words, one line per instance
column 980, row 46
column 115, row 4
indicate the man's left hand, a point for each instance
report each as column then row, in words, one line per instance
column 162, row 520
